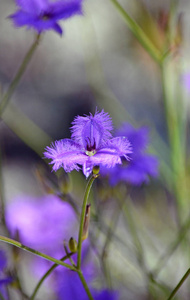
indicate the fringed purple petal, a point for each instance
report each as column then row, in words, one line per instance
column 92, row 131
column 111, row 155
column 32, row 6
column 66, row 154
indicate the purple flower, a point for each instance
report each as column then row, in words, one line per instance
column 142, row 164
column 42, row 223
column 69, row 286
column 4, row 280
column 43, row 14
column 91, row 144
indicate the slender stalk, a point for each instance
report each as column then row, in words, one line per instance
column 168, row 253
column 18, row 76
column 109, row 236
column 176, row 133
column 46, row 275
column 179, row 285
column 85, row 285
column 82, row 217
column 139, row 33
column 28, row 249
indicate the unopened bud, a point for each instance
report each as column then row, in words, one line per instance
column 86, row 223
column 96, row 170
column 73, row 245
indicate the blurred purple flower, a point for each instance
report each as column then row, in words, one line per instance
column 69, row 286
column 142, row 164
column 42, row 223
column 4, row 280
column 91, row 144
column 186, row 81
column 43, row 14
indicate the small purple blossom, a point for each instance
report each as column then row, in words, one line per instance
column 142, row 164
column 44, row 14
column 91, row 144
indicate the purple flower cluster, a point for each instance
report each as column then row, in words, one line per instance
column 91, row 144
column 141, row 164
column 44, row 14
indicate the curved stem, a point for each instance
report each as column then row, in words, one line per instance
column 18, row 75
column 82, row 217
column 139, row 33
column 179, row 285
column 28, row 249
column 46, row 275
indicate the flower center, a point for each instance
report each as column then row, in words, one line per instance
column 90, row 153
column 46, row 16
column 90, row 148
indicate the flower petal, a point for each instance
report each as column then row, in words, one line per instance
column 65, row 9
column 67, row 154
column 92, row 131
column 111, row 155
column 32, row 6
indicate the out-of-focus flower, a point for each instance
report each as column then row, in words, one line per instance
column 4, row 280
column 44, row 14
column 69, row 286
column 141, row 165
column 186, row 81
column 91, row 144
column 42, row 223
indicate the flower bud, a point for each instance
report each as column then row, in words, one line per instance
column 96, row 170
column 73, row 245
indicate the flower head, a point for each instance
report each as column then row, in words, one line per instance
column 43, row 14
column 142, row 164
column 91, row 144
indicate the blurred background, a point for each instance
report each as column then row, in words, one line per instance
column 98, row 63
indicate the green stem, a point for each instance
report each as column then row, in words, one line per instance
column 18, row 76
column 33, row 136
column 47, row 257
column 46, row 275
column 139, row 33
column 85, row 285
column 176, row 132
column 82, row 217
column 168, row 253
column 179, row 285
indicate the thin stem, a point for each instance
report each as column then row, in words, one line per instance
column 109, row 236
column 179, row 285
column 18, row 76
column 85, row 285
column 168, row 253
column 139, row 33
column 82, row 217
column 46, row 275
column 176, row 133
column 28, row 249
